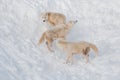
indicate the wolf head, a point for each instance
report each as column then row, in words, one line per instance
column 44, row 16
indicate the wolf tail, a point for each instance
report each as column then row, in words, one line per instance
column 94, row 48
column 42, row 38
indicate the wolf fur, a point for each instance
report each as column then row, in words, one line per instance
column 58, row 32
column 72, row 48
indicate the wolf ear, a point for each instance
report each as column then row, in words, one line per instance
column 47, row 15
column 42, row 14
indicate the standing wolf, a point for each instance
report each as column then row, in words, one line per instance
column 72, row 48
column 58, row 32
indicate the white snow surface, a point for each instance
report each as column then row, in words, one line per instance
column 21, row 27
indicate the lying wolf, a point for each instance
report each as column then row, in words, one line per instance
column 72, row 48
column 58, row 32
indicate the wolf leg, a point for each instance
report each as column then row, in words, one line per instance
column 86, row 54
column 49, row 44
column 68, row 57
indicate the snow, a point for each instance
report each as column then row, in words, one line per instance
column 21, row 27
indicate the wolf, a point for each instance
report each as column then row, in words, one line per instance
column 53, row 18
column 55, row 33
column 72, row 48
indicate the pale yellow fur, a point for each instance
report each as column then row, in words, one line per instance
column 58, row 32
column 53, row 18
column 72, row 48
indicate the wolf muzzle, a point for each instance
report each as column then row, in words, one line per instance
column 43, row 20
column 76, row 21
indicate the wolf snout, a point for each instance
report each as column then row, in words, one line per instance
column 76, row 21
column 43, row 20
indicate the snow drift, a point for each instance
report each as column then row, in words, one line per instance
column 21, row 27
